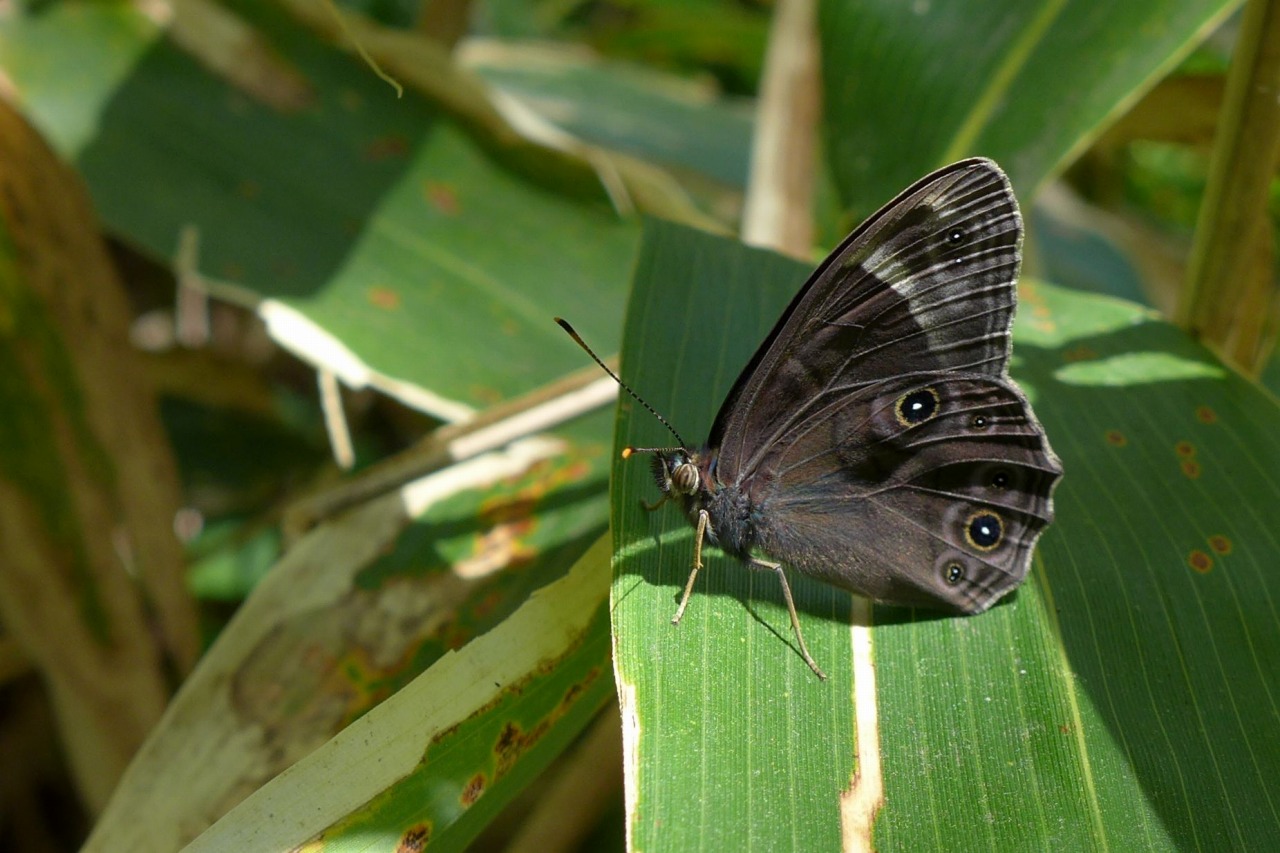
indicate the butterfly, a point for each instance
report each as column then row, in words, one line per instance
column 875, row 441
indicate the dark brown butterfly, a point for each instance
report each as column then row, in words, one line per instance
column 875, row 441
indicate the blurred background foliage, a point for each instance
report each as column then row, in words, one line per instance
column 274, row 213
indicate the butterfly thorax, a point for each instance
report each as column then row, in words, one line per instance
column 689, row 477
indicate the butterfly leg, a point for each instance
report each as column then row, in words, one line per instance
column 791, row 609
column 652, row 506
column 703, row 520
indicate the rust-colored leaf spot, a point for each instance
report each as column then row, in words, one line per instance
column 575, row 470
column 1185, row 449
column 415, row 839
column 351, row 100
column 508, row 739
column 384, row 298
column 487, row 603
column 1080, row 353
column 1116, row 438
column 1206, row 415
column 1200, row 561
column 284, row 269
column 1065, row 729
column 455, row 636
column 443, row 198
column 386, row 148
column 472, row 790
column 351, row 226
column 1191, row 468
column 485, row 394
column 505, row 509
column 1220, row 544
column 511, row 742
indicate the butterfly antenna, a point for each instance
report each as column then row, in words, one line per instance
column 564, row 324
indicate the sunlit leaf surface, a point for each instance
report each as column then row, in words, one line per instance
column 1123, row 698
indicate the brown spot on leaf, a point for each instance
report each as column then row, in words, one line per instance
column 389, row 147
column 1220, row 544
column 1185, row 449
column 1206, row 415
column 507, row 738
column 384, row 298
column 415, row 839
column 1116, row 438
column 443, row 198
column 485, row 395
column 472, row 790
column 1191, row 468
column 1080, row 353
column 508, row 748
column 1200, row 561
column 350, row 100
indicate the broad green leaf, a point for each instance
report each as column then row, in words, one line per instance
column 358, row 609
column 390, row 245
column 436, row 761
column 1124, row 698
column 912, row 86
column 733, row 742
column 627, row 108
column 728, row 38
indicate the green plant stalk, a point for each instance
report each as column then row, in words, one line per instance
column 1227, row 298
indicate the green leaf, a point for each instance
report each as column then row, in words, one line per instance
column 355, row 612
column 435, row 762
column 1123, row 698
column 909, row 87
column 390, row 245
column 628, row 108
column 734, row 742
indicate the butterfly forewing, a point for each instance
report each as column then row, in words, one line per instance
column 927, row 283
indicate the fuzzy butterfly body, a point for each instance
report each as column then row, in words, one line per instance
column 875, row 441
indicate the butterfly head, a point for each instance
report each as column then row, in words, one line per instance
column 675, row 472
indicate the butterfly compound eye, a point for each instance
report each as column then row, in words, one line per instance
column 984, row 530
column 685, row 479
column 917, row 406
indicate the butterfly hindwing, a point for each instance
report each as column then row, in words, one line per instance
column 923, row 490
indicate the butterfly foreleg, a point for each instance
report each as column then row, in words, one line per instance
column 791, row 609
column 652, row 506
column 703, row 520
